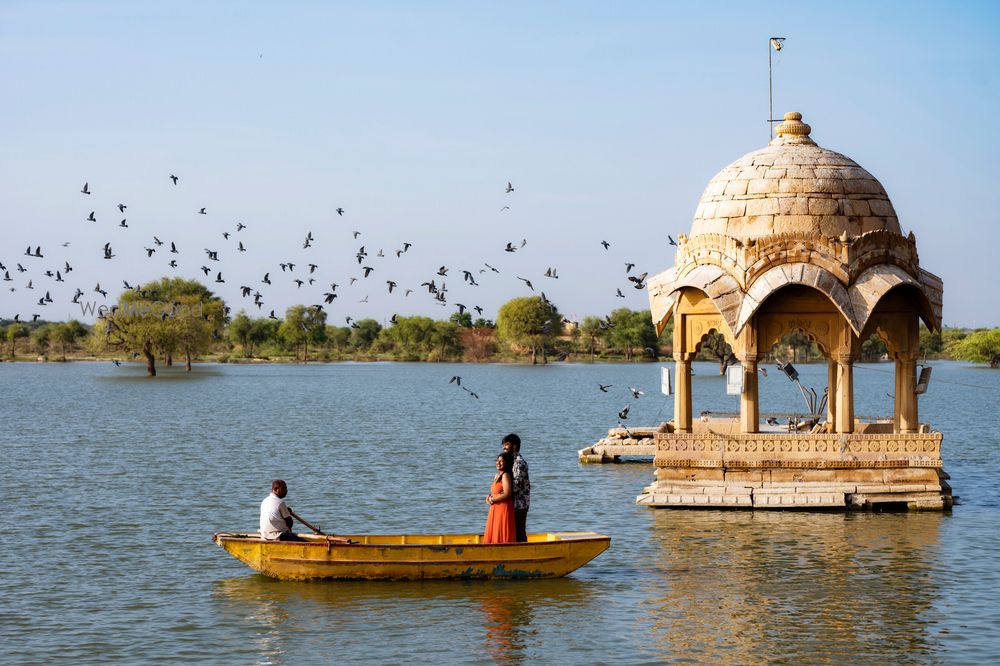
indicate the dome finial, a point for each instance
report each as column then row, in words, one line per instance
column 793, row 130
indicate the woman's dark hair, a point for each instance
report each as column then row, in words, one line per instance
column 508, row 461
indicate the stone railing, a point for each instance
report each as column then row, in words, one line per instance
column 817, row 450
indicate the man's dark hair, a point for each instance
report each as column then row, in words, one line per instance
column 514, row 440
column 277, row 485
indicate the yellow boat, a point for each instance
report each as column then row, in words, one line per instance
column 414, row 556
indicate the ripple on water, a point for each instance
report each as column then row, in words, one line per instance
column 127, row 478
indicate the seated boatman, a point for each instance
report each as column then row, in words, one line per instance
column 275, row 516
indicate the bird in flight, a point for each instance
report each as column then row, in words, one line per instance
column 122, row 207
column 443, row 271
column 510, row 248
column 201, row 211
column 671, row 240
column 510, row 188
column 340, row 211
column 240, row 226
column 635, row 392
column 619, row 294
column 623, row 414
column 525, row 281
column 86, row 188
column 504, row 208
column 91, row 218
column 173, row 178
column 455, row 380
column 629, row 266
column 551, row 273
column 606, row 244
column 604, row 387
column 491, row 268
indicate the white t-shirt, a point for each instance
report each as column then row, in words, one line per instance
column 273, row 512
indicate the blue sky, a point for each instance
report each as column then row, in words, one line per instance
column 608, row 118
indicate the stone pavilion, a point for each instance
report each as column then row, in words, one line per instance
column 796, row 237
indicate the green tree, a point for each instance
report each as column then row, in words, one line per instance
column 716, row 348
column 162, row 317
column 592, row 333
column 981, row 346
column 931, row 342
column 463, row 319
column 239, row 331
column 529, row 322
column 363, row 334
column 41, row 337
column 338, row 337
column 303, row 325
column 67, row 334
column 632, row 331
column 445, row 340
column 411, row 336
column 13, row 333
column 262, row 331
column 873, row 348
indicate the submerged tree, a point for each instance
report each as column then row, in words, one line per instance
column 172, row 314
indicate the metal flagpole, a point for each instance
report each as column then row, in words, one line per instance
column 775, row 43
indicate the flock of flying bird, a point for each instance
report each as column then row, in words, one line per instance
column 40, row 267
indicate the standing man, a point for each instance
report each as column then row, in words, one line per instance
column 522, row 486
column 275, row 516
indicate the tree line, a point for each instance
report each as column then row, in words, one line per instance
column 174, row 317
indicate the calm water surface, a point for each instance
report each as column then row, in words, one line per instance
column 115, row 484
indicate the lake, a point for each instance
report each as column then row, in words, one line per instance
column 116, row 483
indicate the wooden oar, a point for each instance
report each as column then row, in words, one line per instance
column 316, row 530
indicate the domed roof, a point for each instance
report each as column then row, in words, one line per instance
column 793, row 185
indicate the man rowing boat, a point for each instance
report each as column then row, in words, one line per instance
column 275, row 516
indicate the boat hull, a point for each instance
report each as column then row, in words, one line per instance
column 415, row 556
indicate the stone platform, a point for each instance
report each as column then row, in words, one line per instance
column 866, row 469
column 623, row 442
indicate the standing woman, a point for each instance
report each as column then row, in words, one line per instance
column 500, row 526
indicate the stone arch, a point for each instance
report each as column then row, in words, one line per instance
column 665, row 291
column 797, row 273
column 875, row 283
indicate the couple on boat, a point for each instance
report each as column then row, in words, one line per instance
column 510, row 496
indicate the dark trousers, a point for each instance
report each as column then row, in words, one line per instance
column 520, row 518
column 289, row 536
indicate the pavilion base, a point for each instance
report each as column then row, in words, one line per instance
column 781, row 488
column 863, row 470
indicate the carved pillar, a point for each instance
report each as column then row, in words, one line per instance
column 749, row 404
column 682, row 393
column 746, row 352
column 831, row 390
column 906, row 397
column 845, row 393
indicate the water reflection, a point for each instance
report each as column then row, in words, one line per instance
column 485, row 620
column 760, row 586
